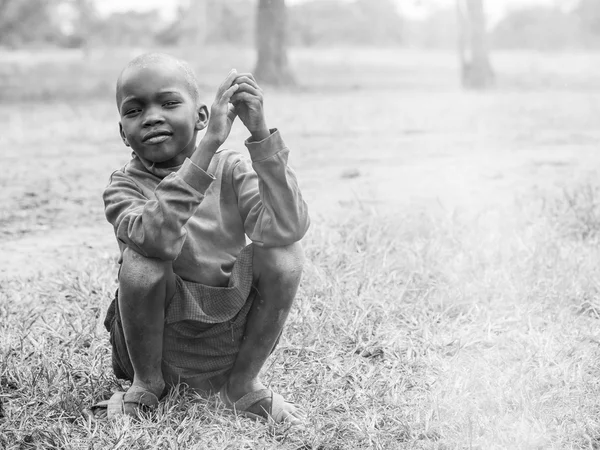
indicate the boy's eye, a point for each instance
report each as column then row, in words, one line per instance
column 131, row 112
column 171, row 103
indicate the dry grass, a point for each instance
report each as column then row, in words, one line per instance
column 425, row 332
column 421, row 323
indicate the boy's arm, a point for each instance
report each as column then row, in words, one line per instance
column 155, row 228
column 269, row 199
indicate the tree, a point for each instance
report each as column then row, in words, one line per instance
column 194, row 23
column 361, row 22
column 86, row 24
column 272, row 66
column 25, row 21
column 476, row 69
column 588, row 11
column 538, row 27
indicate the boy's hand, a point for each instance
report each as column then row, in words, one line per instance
column 248, row 101
column 222, row 111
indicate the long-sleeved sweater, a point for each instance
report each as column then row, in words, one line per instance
column 199, row 220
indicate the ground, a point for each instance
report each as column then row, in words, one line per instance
column 451, row 294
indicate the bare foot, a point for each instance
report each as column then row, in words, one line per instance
column 286, row 412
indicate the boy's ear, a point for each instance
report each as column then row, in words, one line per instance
column 122, row 133
column 202, row 119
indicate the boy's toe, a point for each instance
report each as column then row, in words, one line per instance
column 265, row 405
column 138, row 399
column 100, row 414
column 285, row 412
column 106, row 409
column 133, row 401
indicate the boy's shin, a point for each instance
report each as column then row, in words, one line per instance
column 144, row 286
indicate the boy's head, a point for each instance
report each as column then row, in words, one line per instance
column 161, row 113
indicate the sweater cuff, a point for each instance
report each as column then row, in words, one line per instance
column 266, row 148
column 195, row 176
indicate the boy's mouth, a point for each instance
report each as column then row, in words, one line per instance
column 156, row 137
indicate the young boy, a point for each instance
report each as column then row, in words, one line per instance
column 195, row 304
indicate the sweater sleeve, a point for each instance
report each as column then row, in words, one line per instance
column 269, row 199
column 155, row 228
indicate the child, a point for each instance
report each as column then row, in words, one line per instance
column 195, row 304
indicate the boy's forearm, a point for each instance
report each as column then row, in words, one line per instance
column 280, row 217
column 260, row 134
column 205, row 151
column 155, row 228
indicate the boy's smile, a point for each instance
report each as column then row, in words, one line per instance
column 159, row 117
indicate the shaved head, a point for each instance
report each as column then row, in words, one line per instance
column 153, row 59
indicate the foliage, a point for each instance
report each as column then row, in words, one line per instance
column 439, row 30
column 366, row 22
column 589, row 13
column 539, row 27
column 26, row 21
column 129, row 28
column 228, row 22
column 526, row 27
column 311, row 23
column 321, row 22
column 363, row 22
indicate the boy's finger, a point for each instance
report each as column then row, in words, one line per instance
column 225, row 97
column 249, row 75
column 226, row 84
column 245, row 87
column 244, row 97
column 231, row 112
column 247, row 78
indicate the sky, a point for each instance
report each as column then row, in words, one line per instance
column 412, row 8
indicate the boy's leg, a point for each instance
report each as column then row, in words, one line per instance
column 277, row 274
column 144, row 286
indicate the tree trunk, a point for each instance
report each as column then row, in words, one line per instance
column 193, row 22
column 476, row 69
column 272, row 66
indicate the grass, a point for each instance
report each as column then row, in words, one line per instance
column 417, row 334
column 450, row 299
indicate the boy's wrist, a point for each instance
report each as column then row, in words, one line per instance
column 260, row 134
column 210, row 143
column 207, row 147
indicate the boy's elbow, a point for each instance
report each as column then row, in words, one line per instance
column 160, row 248
column 156, row 252
column 165, row 254
column 168, row 250
column 303, row 226
column 296, row 229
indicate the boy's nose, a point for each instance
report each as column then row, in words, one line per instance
column 153, row 117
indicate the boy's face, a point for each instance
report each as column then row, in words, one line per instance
column 159, row 117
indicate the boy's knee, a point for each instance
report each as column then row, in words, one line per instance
column 280, row 263
column 138, row 271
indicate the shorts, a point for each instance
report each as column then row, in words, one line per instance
column 204, row 328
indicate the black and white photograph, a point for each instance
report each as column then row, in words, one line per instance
column 300, row 224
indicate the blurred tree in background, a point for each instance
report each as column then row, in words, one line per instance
column 476, row 69
column 76, row 23
column 558, row 25
column 330, row 22
column 588, row 12
column 272, row 65
column 540, row 28
column 211, row 22
column 26, row 21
